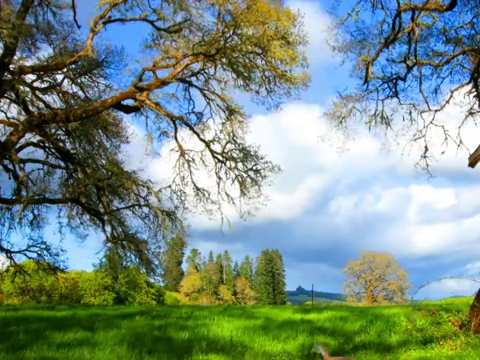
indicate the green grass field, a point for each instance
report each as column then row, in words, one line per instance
column 424, row 331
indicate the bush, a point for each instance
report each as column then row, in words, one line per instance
column 37, row 288
column 433, row 328
column 96, row 289
column 172, row 298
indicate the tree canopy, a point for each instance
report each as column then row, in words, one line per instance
column 375, row 278
column 68, row 100
column 411, row 59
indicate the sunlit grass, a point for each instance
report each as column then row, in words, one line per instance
column 433, row 330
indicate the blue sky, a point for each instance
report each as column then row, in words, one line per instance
column 336, row 198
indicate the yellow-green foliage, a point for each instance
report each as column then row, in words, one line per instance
column 36, row 287
column 78, row 287
column 190, row 286
column 245, row 294
column 95, row 289
column 173, row 298
column 225, row 295
column 375, row 278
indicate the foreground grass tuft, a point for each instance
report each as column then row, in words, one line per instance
column 434, row 330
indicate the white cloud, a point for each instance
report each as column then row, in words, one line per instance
column 290, row 138
column 473, row 269
column 3, row 262
column 422, row 220
column 448, row 287
column 316, row 23
column 464, row 281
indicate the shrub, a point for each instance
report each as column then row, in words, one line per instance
column 172, row 298
column 435, row 328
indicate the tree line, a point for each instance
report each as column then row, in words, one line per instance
column 216, row 279
column 110, row 283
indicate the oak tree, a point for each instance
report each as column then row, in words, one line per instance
column 410, row 60
column 375, row 278
column 225, row 295
column 68, row 100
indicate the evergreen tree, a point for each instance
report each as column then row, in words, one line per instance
column 194, row 260
column 236, row 270
column 262, row 278
column 219, row 262
column 210, row 276
column 246, row 269
column 279, row 283
column 227, row 271
column 269, row 279
column 172, row 260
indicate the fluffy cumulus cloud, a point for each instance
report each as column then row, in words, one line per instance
column 317, row 24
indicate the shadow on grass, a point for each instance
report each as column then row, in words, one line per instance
column 188, row 332
column 343, row 335
column 142, row 332
column 25, row 328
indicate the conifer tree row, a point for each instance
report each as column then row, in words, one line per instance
column 213, row 280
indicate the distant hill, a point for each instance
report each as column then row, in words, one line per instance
column 301, row 295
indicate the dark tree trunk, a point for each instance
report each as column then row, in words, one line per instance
column 474, row 314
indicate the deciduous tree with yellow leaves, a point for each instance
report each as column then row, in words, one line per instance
column 375, row 278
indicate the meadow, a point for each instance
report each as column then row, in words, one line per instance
column 431, row 330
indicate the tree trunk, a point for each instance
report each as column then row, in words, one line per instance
column 474, row 314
